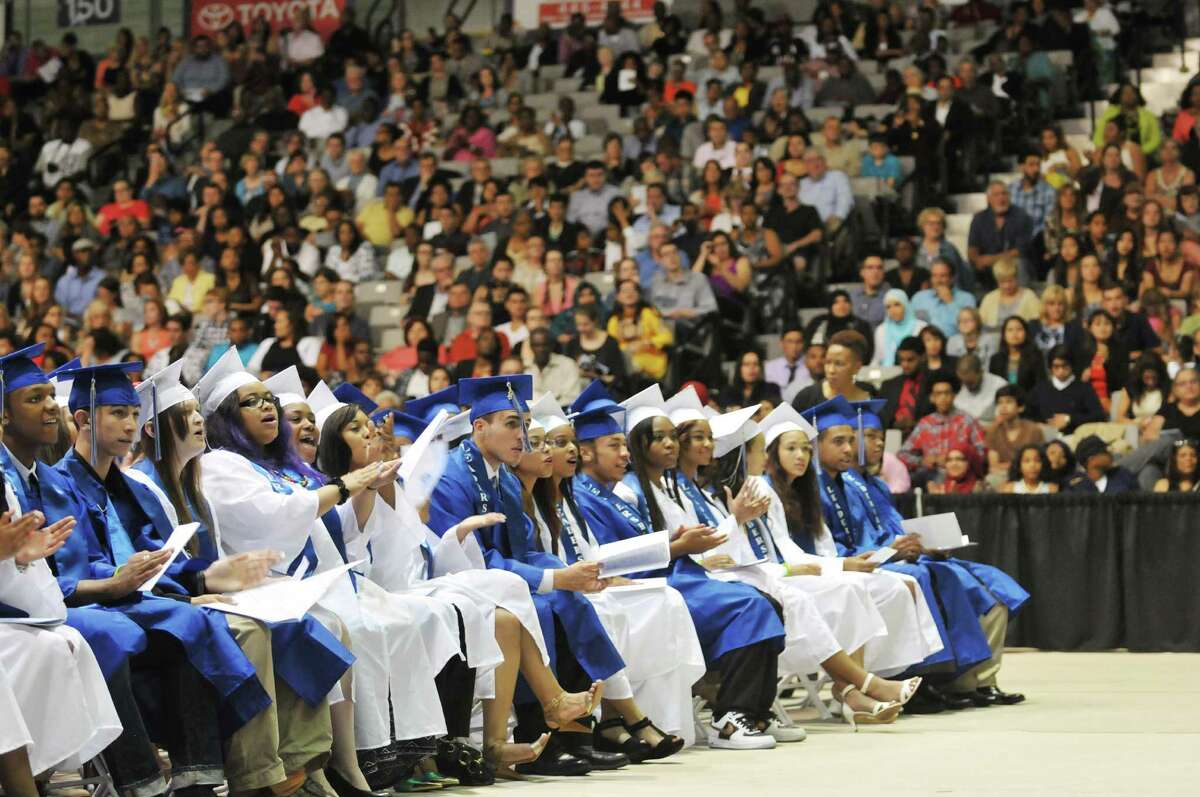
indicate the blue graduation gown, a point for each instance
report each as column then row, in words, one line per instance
column 307, row 656
column 510, row 546
column 727, row 614
column 1000, row 585
column 112, row 637
column 204, row 635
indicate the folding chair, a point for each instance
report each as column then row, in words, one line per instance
column 94, row 777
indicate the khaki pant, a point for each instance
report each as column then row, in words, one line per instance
column 995, row 626
column 288, row 736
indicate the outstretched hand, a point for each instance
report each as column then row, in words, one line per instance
column 476, row 522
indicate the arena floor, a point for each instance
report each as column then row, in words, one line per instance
column 1095, row 724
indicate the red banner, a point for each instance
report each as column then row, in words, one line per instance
column 210, row 16
column 557, row 13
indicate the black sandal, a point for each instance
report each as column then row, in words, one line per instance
column 669, row 746
column 464, row 763
column 633, row 747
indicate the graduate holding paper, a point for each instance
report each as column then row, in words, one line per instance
column 647, row 621
column 861, row 518
column 739, row 628
column 405, row 554
column 479, row 480
column 264, row 495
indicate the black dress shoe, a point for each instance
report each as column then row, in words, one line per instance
column 632, row 748
column 598, row 759
column 978, row 699
column 951, row 701
column 1000, row 697
column 343, row 787
column 562, row 764
column 927, row 700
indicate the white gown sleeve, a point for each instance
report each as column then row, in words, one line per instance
column 252, row 515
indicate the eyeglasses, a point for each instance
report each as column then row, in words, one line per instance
column 560, row 442
column 258, row 401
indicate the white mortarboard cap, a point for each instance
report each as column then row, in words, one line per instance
column 731, row 429
column 456, row 426
column 226, row 376
column 784, row 419
column 685, row 407
column 547, row 414
column 287, row 387
column 424, row 462
column 323, row 404
column 645, row 405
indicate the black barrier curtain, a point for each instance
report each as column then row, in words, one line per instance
column 1103, row 572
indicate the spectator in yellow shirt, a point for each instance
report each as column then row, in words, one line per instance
column 189, row 288
column 640, row 331
column 383, row 220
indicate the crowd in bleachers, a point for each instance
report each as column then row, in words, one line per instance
column 966, row 236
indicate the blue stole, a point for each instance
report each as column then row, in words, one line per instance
column 465, row 490
column 112, row 637
column 727, row 614
column 571, row 547
column 204, row 635
column 205, row 542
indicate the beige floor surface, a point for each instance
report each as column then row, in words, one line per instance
column 1094, row 724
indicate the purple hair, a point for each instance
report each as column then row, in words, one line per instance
column 225, row 430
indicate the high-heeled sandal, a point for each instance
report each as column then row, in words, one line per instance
column 502, row 765
column 908, row 688
column 633, row 747
column 669, row 746
column 571, row 724
column 880, row 714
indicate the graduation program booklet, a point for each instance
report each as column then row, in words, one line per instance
column 937, row 532
column 634, row 555
column 175, row 543
column 283, row 599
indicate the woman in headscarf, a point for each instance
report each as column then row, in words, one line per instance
column 899, row 323
column 840, row 316
column 963, row 471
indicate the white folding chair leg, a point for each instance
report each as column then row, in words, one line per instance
column 812, row 685
column 698, row 720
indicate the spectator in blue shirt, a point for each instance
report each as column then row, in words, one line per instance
column 1031, row 193
column 997, row 231
column 827, row 191
column 879, row 162
column 939, row 304
column 202, row 74
column 77, row 287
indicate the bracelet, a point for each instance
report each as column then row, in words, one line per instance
column 344, row 493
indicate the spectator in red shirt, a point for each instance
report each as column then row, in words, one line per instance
column 479, row 318
column 936, row 434
column 123, row 205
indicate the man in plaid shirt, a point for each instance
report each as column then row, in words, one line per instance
column 924, row 452
column 1031, row 193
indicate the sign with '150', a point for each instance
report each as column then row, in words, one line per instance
column 88, row 12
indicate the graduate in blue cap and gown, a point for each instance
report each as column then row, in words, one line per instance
column 302, row 663
column 263, row 494
column 31, row 422
column 648, row 623
column 739, row 628
column 973, row 619
column 105, row 408
column 479, row 480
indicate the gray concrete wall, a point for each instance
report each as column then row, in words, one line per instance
column 38, row 19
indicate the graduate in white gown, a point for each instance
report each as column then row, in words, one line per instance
column 404, row 555
column 263, row 495
column 782, row 456
column 647, row 620
column 55, row 709
column 654, row 451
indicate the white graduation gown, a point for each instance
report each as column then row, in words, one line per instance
column 911, row 631
column 808, row 639
column 53, row 698
column 398, row 643
column 651, row 628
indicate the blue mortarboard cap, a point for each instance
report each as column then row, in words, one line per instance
column 594, row 398
column 111, row 382
column 834, row 412
column 18, row 369
column 427, row 407
column 72, row 365
column 592, row 425
column 403, row 425
column 489, row 394
column 869, row 410
column 349, row 394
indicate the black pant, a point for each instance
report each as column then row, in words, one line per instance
column 161, row 697
column 456, row 688
column 571, row 676
column 749, row 677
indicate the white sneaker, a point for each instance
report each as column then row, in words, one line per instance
column 746, row 736
column 785, row 733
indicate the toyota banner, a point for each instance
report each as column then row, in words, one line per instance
column 210, row 16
